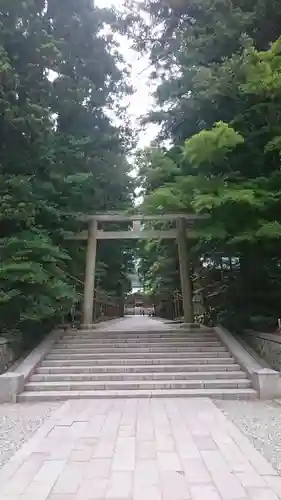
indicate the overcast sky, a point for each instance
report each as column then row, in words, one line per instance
column 141, row 101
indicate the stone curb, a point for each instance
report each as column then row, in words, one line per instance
column 12, row 382
column 265, row 381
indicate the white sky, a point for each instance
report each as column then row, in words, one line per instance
column 141, row 101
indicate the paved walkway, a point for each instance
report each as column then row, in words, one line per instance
column 132, row 323
column 139, row 450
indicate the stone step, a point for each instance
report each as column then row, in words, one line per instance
column 138, row 341
column 70, row 377
column 123, row 369
column 132, row 350
column 137, row 385
column 131, row 355
column 136, row 337
column 156, row 363
column 29, row 396
column 140, row 361
column 137, row 344
column 138, row 331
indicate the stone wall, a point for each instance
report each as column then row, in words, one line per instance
column 6, row 355
column 267, row 345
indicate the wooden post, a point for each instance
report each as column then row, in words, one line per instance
column 95, row 309
column 89, row 285
column 184, row 263
column 177, row 305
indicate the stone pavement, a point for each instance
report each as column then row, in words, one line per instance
column 133, row 323
column 139, row 449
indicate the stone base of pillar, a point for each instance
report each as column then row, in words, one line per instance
column 88, row 327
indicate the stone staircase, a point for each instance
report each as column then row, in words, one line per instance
column 167, row 363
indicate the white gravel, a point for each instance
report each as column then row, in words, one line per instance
column 17, row 424
column 260, row 422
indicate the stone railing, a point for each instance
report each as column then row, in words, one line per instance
column 6, row 355
column 267, row 345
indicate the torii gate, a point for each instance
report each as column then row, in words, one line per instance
column 94, row 233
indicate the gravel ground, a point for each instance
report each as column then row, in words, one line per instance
column 17, row 424
column 260, row 422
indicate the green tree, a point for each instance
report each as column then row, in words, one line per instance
column 60, row 153
column 216, row 65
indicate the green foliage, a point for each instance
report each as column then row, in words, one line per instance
column 210, row 146
column 155, row 168
column 263, row 72
column 219, row 102
column 60, row 155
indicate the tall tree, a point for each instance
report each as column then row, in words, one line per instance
column 60, row 154
column 219, row 101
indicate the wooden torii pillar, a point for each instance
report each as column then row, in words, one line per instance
column 185, row 272
column 89, row 284
column 94, row 234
